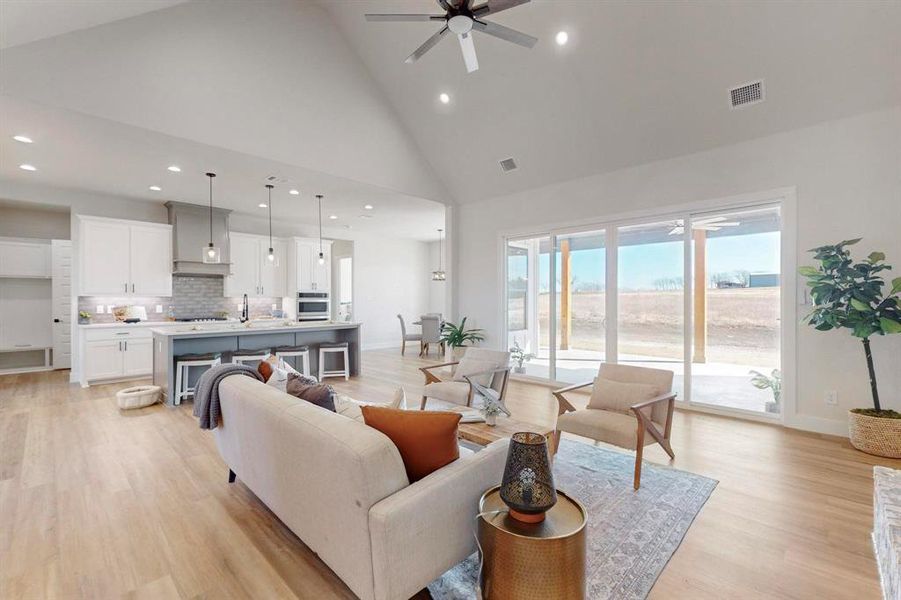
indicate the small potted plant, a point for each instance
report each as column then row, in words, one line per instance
column 456, row 338
column 850, row 295
column 772, row 382
column 492, row 408
column 84, row 317
column 520, row 357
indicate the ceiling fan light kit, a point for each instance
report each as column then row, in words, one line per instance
column 460, row 19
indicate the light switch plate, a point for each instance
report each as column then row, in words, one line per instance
column 831, row 398
column 159, row 308
column 99, row 310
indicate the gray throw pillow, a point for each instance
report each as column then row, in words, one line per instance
column 319, row 394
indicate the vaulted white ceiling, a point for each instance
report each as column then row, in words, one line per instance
column 313, row 89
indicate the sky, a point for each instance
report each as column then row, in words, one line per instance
column 640, row 266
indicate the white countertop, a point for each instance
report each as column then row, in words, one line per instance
column 251, row 327
column 121, row 324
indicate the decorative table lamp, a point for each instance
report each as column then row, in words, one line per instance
column 528, row 484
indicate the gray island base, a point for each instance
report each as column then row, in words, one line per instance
column 170, row 342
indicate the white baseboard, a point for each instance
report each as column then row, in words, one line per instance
column 818, row 425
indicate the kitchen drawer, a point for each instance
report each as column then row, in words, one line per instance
column 118, row 333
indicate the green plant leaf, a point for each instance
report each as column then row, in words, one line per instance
column 896, row 285
column 889, row 325
column 809, row 271
column 876, row 256
column 861, row 306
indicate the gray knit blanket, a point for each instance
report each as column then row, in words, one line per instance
column 206, row 394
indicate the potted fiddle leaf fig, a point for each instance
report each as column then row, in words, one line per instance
column 520, row 357
column 457, row 337
column 849, row 295
column 773, row 382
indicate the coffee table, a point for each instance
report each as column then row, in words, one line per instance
column 483, row 434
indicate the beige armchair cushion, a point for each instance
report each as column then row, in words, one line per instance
column 603, row 425
column 450, row 391
column 470, row 366
column 616, row 396
column 660, row 378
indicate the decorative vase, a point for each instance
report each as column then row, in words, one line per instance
column 491, row 420
column 458, row 352
column 772, row 407
column 875, row 435
column 528, row 483
column 84, row 320
column 520, row 369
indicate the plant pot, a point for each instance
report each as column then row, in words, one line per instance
column 457, row 352
column 491, row 420
column 84, row 321
column 521, row 369
column 875, row 435
column 772, row 407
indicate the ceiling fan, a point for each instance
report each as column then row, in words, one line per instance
column 461, row 18
column 708, row 224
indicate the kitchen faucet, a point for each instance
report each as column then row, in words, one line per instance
column 245, row 311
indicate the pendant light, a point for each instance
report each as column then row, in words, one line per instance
column 211, row 252
column 321, row 255
column 271, row 255
column 440, row 275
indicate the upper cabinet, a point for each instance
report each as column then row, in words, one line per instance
column 119, row 258
column 252, row 271
column 24, row 259
column 306, row 274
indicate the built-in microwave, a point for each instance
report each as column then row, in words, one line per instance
column 313, row 306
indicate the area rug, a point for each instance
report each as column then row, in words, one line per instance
column 631, row 535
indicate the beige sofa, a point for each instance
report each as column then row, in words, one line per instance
column 342, row 488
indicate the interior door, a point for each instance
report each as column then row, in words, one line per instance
column 61, row 292
column 151, row 261
column 104, row 258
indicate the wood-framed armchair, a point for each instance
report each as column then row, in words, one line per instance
column 630, row 407
column 491, row 368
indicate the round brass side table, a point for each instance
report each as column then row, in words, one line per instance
column 523, row 561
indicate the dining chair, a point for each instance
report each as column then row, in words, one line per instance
column 431, row 332
column 408, row 337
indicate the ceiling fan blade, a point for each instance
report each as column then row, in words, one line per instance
column 505, row 33
column 469, row 52
column 705, row 220
column 495, row 6
column 678, row 230
column 397, row 18
column 428, row 45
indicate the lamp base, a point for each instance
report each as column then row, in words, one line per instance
column 527, row 518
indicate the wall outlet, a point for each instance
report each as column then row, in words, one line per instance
column 273, row 307
column 159, row 308
column 831, row 398
column 100, row 309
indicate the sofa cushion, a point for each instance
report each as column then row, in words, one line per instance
column 606, row 426
column 617, row 396
column 319, row 394
column 426, row 440
column 266, row 367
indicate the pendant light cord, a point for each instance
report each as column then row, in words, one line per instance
column 319, row 196
column 270, row 215
column 211, row 210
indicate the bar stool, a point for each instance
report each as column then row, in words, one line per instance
column 183, row 366
column 250, row 356
column 303, row 352
column 333, row 348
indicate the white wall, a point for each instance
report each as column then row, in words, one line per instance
column 847, row 174
column 39, row 223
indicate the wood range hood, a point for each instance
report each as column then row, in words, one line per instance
column 191, row 234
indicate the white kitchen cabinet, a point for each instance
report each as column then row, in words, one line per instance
column 307, row 274
column 150, row 264
column 137, row 357
column 116, row 353
column 124, row 258
column 24, row 259
column 252, row 272
column 103, row 359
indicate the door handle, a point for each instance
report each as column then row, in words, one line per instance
column 126, row 346
column 126, row 288
column 120, row 346
column 132, row 288
column 56, row 320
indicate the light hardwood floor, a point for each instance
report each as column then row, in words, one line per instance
column 97, row 503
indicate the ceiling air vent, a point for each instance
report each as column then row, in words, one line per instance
column 508, row 164
column 747, row 94
column 273, row 179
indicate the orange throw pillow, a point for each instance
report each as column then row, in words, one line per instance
column 427, row 440
column 265, row 367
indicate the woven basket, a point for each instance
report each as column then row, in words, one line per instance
column 875, row 435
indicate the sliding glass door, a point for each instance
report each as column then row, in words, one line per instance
column 697, row 293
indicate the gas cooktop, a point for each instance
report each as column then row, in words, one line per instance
column 200, row 319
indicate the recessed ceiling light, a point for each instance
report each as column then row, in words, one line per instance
column 175, row 168
column 561, row 38
column 333, row 217
column 263, row 205
column 293, row 192
column 444, row 98
column 23, row 138
column 368, row 206
column 155, row 188
column 28, row 167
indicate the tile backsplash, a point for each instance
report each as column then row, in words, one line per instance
column 192, row 296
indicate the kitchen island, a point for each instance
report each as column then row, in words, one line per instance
column 203, row 338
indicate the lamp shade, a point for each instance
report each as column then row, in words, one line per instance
column 528, row 484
